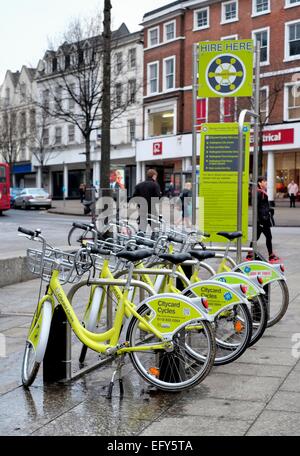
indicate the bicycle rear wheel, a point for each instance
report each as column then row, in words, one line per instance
column 259, row 315
column 36, row 344
column 182, row 367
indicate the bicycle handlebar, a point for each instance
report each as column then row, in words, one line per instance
column 27, row 232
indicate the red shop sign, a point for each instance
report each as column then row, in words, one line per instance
column 277, row 137
column 157, row 148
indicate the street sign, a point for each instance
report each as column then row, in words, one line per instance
column 225, row 68
column 219, row 178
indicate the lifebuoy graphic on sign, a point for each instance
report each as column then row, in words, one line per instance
column 225, row 74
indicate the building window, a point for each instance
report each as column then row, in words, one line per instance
column 292, row 40
column 290, row 3
column 169, row 73
column 71, row 97
column 201, row 19
column 131, row 130
column 23, row 91
column 228, row 109
column 161, row 122
column 292, row 102
column 71, row 133
column 119, row 62
column 229, row 11
column 201, row 111
column 153, row 78
column 58, row 98
column 23, row 123
column 7, row 96
column 153, row 37
column 131, row 91
column 263, row 36
column 264, row 104
column 54, row 64
column 46, row 136
column 118, row 93
column 260, row 7
column 58, row 135
column 67, row 61
column 132, row 58
column 229, row 37
column 169, row 31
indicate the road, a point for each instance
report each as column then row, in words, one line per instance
column 54, row 227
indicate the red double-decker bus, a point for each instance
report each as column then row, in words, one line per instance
column 4, row 187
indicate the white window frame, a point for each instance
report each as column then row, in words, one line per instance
column 129, row 123
column 130, row 52
column 203, row 27
column 172, row 57
column 223, row 18
column 287, row 57
column 149, row 38
column 61, row 136
column 260, row 13
column 165, row 31
column 230, row 37
column 71, row 141
column 291, row 5
column 160, row 107
column 156, row 62
column 286, row 101
column 267, row 89
column 264, row 29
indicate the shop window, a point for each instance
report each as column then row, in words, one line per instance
column 161, row 123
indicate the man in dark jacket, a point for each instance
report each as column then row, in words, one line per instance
column 148, row 189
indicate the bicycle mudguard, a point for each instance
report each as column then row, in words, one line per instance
column 171, row 311
column 237, row 278
column 269, row 273
column 220, row 295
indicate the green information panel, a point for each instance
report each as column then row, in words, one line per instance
column 226, row 68
column 219, row 178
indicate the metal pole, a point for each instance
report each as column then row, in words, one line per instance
column 242, row 117
column 255, row 148
column 194, row 134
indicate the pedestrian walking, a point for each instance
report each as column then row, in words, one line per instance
column 292, row 191
column 82, row 188
column 264, row 220
column 148, row 189
column 186, row 202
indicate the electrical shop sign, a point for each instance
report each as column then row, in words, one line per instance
column 219, row 178
column 225, row 68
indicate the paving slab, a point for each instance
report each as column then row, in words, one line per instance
column 287, row 401
column 292, row 382
column 273, row 423
column 188, row 426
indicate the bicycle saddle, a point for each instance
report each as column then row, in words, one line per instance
column 175, row 258
column 230, row 236
column 202, row 254
column 137, row 255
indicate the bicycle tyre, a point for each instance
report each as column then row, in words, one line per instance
column 283, row 305
column 176, row 365
column 41, row 327
column 232, row 350
column 259, row 315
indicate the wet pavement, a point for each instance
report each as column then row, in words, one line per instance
column 257, row 395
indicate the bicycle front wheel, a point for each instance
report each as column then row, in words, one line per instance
column 36, row 344
column 277, row 300
column 181, row 367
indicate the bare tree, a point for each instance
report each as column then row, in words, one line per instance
column 10, row 139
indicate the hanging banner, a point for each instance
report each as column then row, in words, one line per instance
column 226, row 68
column 219, row 178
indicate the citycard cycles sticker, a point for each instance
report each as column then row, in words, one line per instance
column 265, row 271
column 225, row 68
column 234, row 280
column 170, row 313
column 218, row 296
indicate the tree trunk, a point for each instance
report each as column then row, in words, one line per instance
column 106, row 108
column 88, row 174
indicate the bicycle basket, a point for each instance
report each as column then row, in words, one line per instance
column 42, row 263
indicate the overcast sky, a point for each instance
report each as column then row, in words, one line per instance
column 27, row 25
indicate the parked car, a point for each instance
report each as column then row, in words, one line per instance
column 33, row 197
column 14, row 192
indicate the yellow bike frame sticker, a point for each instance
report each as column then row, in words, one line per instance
column 171, row 313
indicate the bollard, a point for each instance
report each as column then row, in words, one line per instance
column 57, row 362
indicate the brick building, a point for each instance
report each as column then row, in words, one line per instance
column 169, row 34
